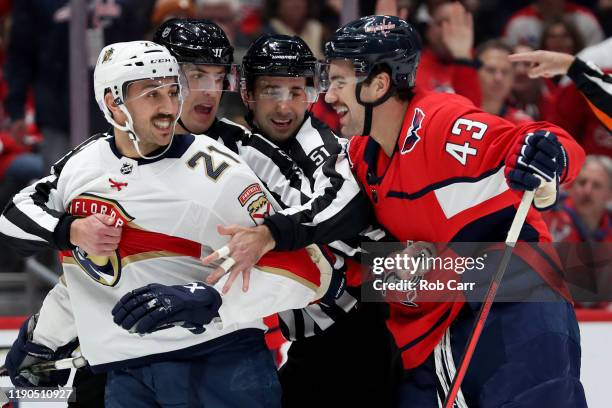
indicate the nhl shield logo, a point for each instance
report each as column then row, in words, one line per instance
column 413, row 138
column 126, row 168
column 166, row 32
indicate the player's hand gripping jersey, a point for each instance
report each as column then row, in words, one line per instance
column 169, row 209
column 446, row 181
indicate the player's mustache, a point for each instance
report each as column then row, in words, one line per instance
column 162, row 116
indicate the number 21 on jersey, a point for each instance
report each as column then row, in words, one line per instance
column 213, row 169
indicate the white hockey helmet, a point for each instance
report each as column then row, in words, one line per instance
column 121, row 63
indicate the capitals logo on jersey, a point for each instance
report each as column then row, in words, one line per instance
column 413, row 138
column 102, row 269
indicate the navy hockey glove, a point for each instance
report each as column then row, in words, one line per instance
column 337, row 285
column 24, row 354
column 156, row 307
column 537, row 163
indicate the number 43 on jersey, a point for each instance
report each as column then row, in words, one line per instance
column 462, row 151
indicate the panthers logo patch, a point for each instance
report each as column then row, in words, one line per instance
column 259, row 209
column 104, row 270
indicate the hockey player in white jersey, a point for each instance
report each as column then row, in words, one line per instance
column 143, row 313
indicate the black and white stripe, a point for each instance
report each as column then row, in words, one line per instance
column 446, row 371
column 311, row 178
column 315, row 318
column 593, row 83
column 31, row 219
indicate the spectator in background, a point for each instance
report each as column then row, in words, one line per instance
column 604, row 14
column 447, row 63
column 18, row 164
column 496, row 75
column 167, row 9
column 525, row 26
column 534, row 96
column 561, row 35
column 583, row 215
column 294, row 17
column 227, row 14
column 37, row 59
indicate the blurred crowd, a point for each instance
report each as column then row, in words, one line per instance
column 467, row 45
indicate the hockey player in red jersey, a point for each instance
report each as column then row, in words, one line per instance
column 451, row 172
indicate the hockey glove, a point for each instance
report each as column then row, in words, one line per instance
column 536, row 163
column 156, row 307
column 25, row 354
column 337, row 285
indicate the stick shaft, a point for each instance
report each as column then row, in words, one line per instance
column 511, row 238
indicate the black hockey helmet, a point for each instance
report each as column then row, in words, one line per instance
column 279, row 55
column 195, row 41
column 373, row 40
column 284, row 56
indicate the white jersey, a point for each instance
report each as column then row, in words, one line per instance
column 169, row 209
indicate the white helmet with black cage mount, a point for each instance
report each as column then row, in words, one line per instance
column 120, row 64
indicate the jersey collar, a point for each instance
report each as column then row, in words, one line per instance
column 180, row 144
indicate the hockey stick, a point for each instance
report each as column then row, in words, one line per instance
column 73, row 362
column 513, row 234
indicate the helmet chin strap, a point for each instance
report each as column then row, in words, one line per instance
column 129, row 129
column 180, row 122
column 369, row 106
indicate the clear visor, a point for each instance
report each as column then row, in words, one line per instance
column 210, row 78
column 154, row 91
column 334, row 77
column 269, row 91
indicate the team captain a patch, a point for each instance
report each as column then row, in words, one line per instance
column 256, row 202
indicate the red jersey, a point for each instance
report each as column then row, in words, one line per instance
column 446, row 180
column 566, row 226
column 436, row 75
column 516, row 116
column 526, row 25
column 544, row 107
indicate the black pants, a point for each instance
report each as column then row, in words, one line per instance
column 353, row 363
column 89, row 389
